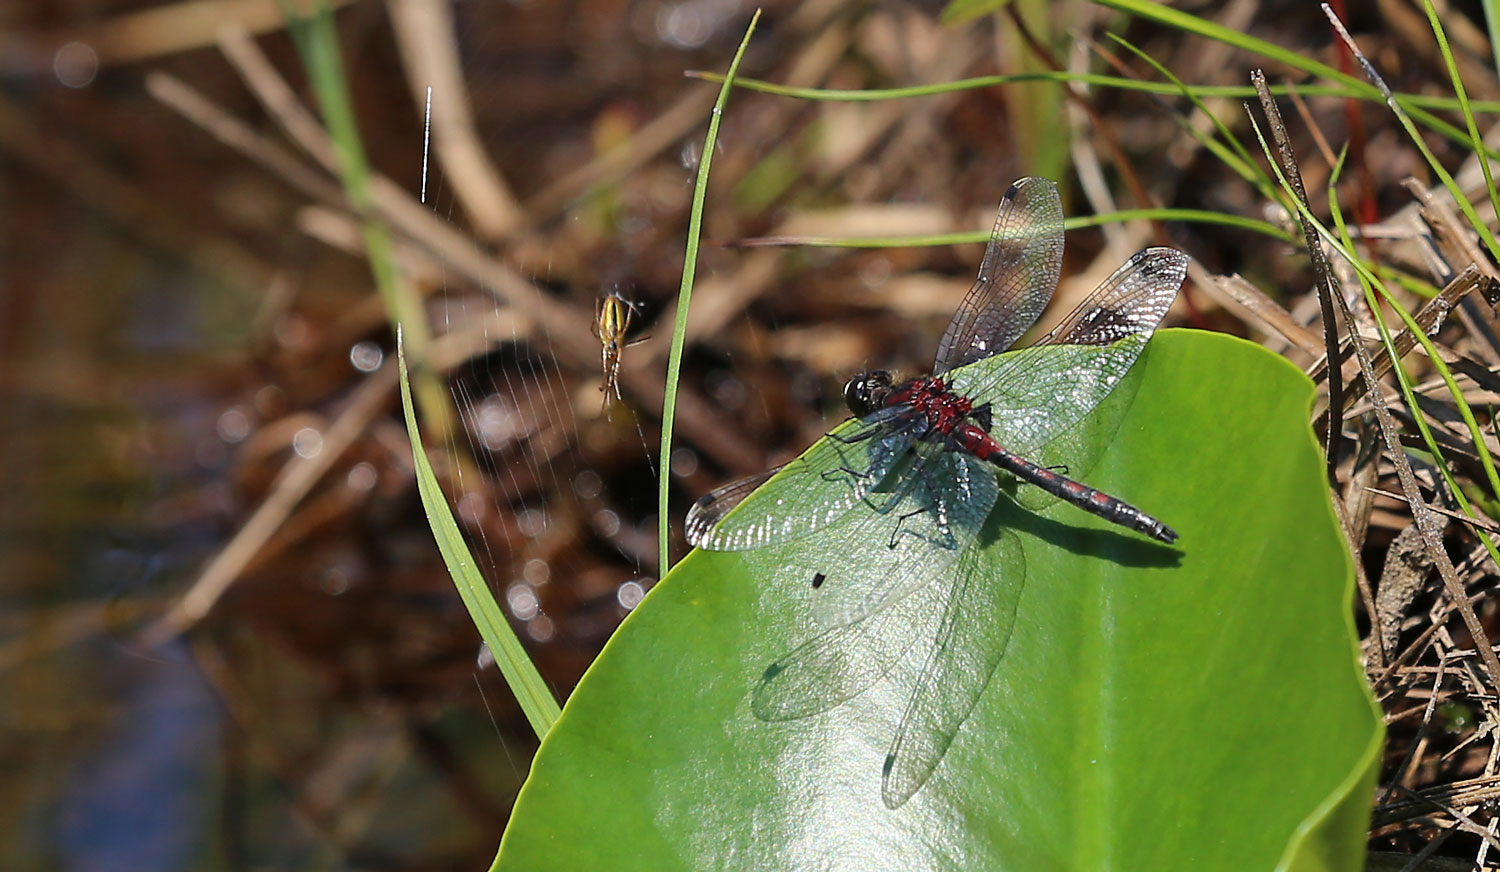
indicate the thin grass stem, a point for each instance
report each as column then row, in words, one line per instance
column 685, row 295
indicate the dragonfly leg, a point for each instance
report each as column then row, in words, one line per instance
column 895, row 497
column 845, row 474
column 935, row 505
column 861, row 436
column 901, row 522
column 839, row 473
column 943, row 538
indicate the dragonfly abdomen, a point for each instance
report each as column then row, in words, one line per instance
column 1092, row 500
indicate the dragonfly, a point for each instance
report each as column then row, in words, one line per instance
column 912, row 478
column 612, row 319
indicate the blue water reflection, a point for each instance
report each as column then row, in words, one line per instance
column 138, row 801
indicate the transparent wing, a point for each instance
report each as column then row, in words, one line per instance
column 879, row 598
column 1019, row 272
column 810, row 492
column 839, row 664
column 1034, row 394
column 1079, row 448
column 949, row 495
column 978, row 617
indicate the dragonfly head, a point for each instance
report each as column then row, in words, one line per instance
column 867, row 391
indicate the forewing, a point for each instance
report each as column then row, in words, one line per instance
column 1017, row 276
column 810, row 492
column 978, row 617
column 1036, row 393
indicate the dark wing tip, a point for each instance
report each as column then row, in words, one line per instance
column 699, row 520
column 704, row 515
column 893, row 796
column 1163, row 259
column 714, row 506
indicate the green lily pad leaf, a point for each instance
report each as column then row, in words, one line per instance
column 1198, row 706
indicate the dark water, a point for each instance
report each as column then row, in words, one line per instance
column 328, row 709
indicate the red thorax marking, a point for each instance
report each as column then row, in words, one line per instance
column 943, row 409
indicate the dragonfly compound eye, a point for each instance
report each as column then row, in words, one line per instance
column 864, row 392
column 855, row 393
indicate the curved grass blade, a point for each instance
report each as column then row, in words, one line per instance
column 875, row 95
column 1188, row 23
column 525, row 682
column 317, row 42
column 1186, row 216
column 685, row 295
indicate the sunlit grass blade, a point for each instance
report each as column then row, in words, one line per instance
column 1165, row 89
column 1492, row 28
column 1036, row 117
column 520, row 674
column 1475, row 140
column 316, row 38
column 1412, row 284
column 684, row 296
column 1227, row 148
column 1347, row 85
column 1375, row 290
column 1186, row 216
column 1485, row 236
column 1291, row 58
column 961, row 11
column 1372, row 286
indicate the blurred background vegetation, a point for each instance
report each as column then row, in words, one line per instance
column 227, row 640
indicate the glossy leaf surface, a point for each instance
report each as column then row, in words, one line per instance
column 1189, row 707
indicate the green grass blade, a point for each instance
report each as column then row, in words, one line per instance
column 1464, row 205
column 1190, row 216
column 1230, row 151
column 1372, row 285
column 1347, row 85
column 963, row 11
column 1188, row 23
column 685, row 294
column 1475, row 140
column 1201, row 27
column 1035, row 116
column 1492, row 28
column 1412, row 284
column 317, row 42
column 525, row 682
column 1239, row 92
